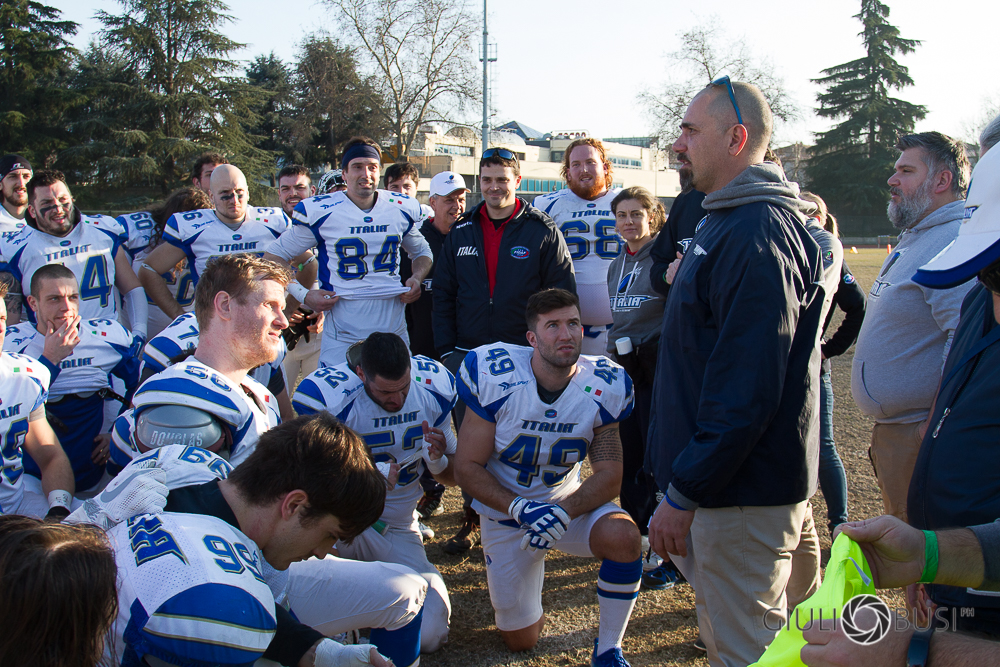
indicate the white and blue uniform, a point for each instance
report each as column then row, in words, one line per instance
column 89, row 251
column 9, row 225
column 139, row 228
column 202, row 235
column 589, row 229
column 78, row 386
column 358, row 255
column 182, row 335
column 332, row 595
column 395, row 437
column 24, row 385
column 190, row 591
column 246, row 410
column 538, row 451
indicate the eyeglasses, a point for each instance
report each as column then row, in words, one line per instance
column 502, row 153
column 724, row 81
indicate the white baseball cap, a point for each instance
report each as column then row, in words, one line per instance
column 446, row 182
column 978, row 242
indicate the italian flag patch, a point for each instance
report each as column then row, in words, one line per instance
column 424, row 380
column 591, row 390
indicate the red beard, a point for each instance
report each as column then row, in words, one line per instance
column 593, row 191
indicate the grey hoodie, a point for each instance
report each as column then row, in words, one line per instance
column 761, row 182
column 637, row 308
column 908, row 328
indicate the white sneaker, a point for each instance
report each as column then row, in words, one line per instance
column 426, row 532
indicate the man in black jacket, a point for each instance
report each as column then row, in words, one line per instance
column 672, row 241
column 495, row 257
column 734, row 441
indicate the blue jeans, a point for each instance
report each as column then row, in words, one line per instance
column 832, row 479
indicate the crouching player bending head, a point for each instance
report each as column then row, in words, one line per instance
column 534, row 414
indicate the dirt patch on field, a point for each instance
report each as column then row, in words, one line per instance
column 664, row 624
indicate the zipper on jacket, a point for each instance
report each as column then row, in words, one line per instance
column 937, row 429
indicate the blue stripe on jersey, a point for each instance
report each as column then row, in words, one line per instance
column 487, row 412
column 322, row 258
column 549, row 207
column 471, row 363
column 227, row 605
column 446, row 406
column 166, row 347
column 345, row 413
column 121, row 434
column 309, row 388
column 116, row 241
column 184, row 387
column 301, row 409
column 13, row 265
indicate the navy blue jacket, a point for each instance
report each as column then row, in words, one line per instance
column 956, row 480
column 736, row 397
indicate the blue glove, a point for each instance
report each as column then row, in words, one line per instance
column 543, row 518
column 532, row 541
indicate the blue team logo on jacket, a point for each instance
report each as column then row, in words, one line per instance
column 65, row 243
column 369, row 219
column 591, row 205
column 550, row 414
column 237, row 237
column 519, row 252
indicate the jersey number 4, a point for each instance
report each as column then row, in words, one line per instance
column 522, row 456
column 95, row 283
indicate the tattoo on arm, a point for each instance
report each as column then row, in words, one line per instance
column 606, row 446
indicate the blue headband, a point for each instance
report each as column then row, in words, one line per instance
column 359, row 150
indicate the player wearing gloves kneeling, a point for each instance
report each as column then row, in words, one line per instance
column 401, row 407
column 534, row 414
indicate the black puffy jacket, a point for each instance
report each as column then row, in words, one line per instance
column 533, row 256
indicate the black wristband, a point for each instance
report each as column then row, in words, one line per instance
column 920, row 647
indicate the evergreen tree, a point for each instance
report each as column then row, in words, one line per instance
column 335, row 101
column 161, row 88
column 853, row 160
column 275, row 113
column 35, row 59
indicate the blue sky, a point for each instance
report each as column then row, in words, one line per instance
column 621, row 45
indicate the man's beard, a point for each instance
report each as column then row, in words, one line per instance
column 593, row 191
column 8, row 199
column 910, row 210
column 685, row 177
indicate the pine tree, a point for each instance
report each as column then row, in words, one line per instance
column 35, row 59
column 853, row 160
column 275, row 112
column 161, row 85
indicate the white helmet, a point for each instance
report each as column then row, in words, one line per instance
column 330, row 180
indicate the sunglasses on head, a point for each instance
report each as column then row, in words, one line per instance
column 724, row 81
column 502, row 153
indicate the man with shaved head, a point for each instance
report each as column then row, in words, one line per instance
column 231, row 227
column 734, row 441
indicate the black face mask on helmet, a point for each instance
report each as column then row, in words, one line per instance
column 990, row 277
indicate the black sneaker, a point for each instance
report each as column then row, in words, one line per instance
column 429, row 505
column 467, row 536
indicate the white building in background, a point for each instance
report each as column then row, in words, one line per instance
column 458, row 149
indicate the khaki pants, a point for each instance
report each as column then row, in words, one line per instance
column 805, row 579
column 894, row 454
column 739, row 562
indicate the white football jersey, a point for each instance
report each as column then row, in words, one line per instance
column 539, row 446
column 88, row 251
column 589, row 230
column 183, row 465
column 9, row 225
column 182, row 335
column 202, row 236
column 358, row 250
column 390, row 436
column 191, row 590
column 139, row 228
column 106, row 348
column 23, row 389
column 247, row 410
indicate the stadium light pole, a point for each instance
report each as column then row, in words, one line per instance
column 486, row 86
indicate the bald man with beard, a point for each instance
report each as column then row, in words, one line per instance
column 231, row 227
